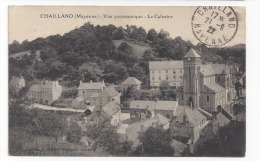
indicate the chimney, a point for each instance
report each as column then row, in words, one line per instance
column 90, row 81
column 80, row 82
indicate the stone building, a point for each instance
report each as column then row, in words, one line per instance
column 46, row 92
column 170, row 71
column 87, row 89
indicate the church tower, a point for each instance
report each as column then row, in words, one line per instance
column 191, row 85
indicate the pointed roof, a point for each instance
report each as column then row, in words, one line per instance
column 131, row 81
column 192, row 54
column 111, row 91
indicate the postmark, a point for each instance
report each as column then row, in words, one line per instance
column 214, row 25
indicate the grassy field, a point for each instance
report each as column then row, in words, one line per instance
column 138, row 50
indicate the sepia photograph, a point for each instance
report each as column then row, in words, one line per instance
column 127, row 81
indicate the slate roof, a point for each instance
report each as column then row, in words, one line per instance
column 49, row 84
column 176, row 64
column 207, row 70
column 165, row 105
column 218, row 68
column 131, row 81
column 222, row 120
column 95, row 95
column 192, row 54
column 161, row 119
column 193, row 117
column 35, row 88
column 111, row 108
column 79, row 99
column 93, row 85
column 215, row 87
column 111, row 91
column 136, row 104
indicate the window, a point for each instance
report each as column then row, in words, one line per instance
column 166, row 71
column 184, row 119
column 218, row 79
column 207, row 98
column 180, row 77
column 167, row 77
column 182, row 96
column 152, row 78
column 159, row 77
column 180, row 70
column 173, row 71
column 174, row 77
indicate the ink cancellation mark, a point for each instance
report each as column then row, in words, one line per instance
column 214, row 25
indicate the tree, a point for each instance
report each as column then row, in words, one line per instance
column 73, row 132
column 164, row 85
column 105, row 135
column 230, row 141
column 152, row 35
column 156, row 142
column 125, row 48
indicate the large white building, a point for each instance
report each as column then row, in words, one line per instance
column 170, row 71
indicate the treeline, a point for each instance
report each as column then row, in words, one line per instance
column 88, row 52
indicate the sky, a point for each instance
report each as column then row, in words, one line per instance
column 25, row 22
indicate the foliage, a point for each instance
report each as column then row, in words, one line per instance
column 156, row 142
column 230, row 141
column 105, row 135
column 73, row 132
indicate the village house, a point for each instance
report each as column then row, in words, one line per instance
column 109, row 94
column 219, row 120
column 79, row 103
column 17, row 83
column 170, row 71
column 109, row 112
column 188, row 122
column 133, row 130
column 131, row 82
column 149, row 109
column 86, row 90
column 47, row 92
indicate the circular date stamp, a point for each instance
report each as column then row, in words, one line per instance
column 214, row 25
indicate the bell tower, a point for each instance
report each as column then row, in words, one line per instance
column 191, row 88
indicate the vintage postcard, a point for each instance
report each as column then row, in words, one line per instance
column 127, row 81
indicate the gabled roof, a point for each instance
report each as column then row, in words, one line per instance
column 219, row 68
column 165, row 105
column 95, row 95
column 93, row 85
column 111, row 108
column 79, row 99
column 161, row 119
column 16, row 80
column 222, row 120
column 207, row 70
column 136, row 104
column 193, row 117
column 35, row 88
column 192, row 54
column 157, row 65
column 111, row 91
column 131, row 81
column 214, row 87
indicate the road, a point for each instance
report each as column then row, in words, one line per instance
column 45, row 107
